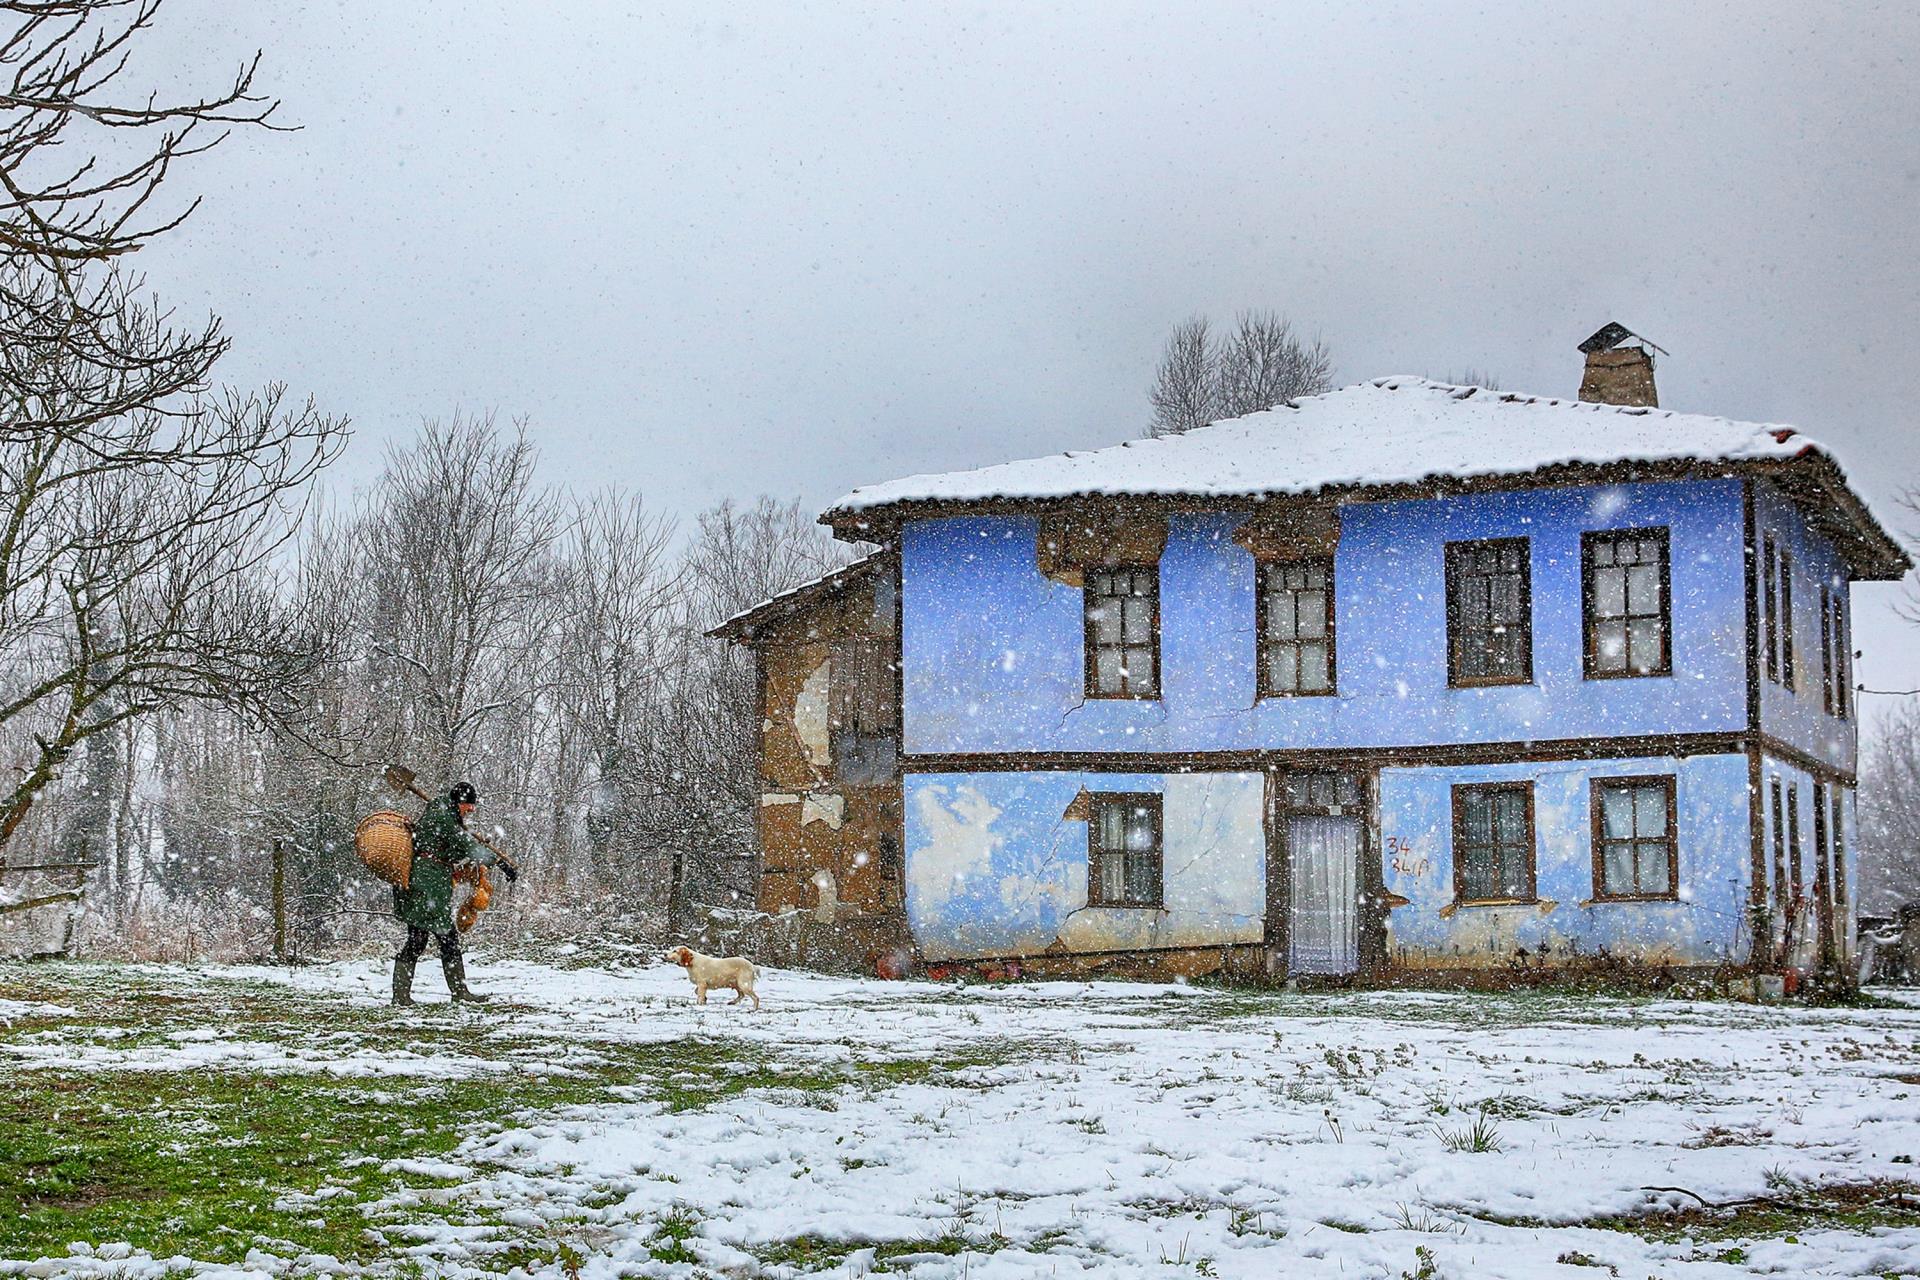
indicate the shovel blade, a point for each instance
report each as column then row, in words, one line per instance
column 399, row 777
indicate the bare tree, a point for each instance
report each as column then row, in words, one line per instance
column 1185, row 393
column 1890, row 811
column 64, row 57
column 135, row 560
column 1264, row 363
column 457, row 549
column 575, row 685
column 138, row 515
column 83, row 160
column 700, row 759
column 1908, row 606
column 1202, row 378
column 619, row 642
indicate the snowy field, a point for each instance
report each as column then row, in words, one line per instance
column 594, row 1122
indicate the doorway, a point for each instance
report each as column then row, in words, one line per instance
column 1325, row 906
column 1320, row 820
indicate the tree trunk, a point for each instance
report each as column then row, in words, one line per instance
column 676, row 899
column 279, row 898
column 123, row 826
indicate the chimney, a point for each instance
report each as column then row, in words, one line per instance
column 1616, row 373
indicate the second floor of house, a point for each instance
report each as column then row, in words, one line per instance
column 1529, row 615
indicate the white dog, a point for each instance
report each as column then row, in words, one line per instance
column 712, row 973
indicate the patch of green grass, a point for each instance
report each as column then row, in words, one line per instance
column 195, row 1163
column 1509, row 1106
column 1575, row 1258
column 526, row 1257
column 1251, row 1222
column 1858, row 1207
column 817, row 1253
column 676, row 1229
column 1480, row 1137
column 1423, row 1220
column 807, row 1252
column 213, row 1163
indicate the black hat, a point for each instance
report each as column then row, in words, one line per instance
column 463, row 793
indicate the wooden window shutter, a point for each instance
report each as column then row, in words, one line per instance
column 862, row 687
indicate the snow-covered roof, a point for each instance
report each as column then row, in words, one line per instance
column 1388, row 432
column 741, row 625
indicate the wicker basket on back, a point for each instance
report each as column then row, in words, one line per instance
column 384, row 841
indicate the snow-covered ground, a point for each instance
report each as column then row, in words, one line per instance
column 1106, row 1129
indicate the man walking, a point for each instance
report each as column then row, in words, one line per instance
column 425, row 906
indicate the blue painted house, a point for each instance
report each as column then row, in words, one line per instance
column 1405, row 677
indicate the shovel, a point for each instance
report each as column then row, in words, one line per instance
column 401, row 778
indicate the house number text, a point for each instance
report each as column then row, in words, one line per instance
column 1404, row 858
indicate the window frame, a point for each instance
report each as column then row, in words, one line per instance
column 1823, row 898
column 1837, row 834
column 1788, row 666
column 1152, row 801
column 1596, row 790
column 1826, row 649
column 1460, row 793
column 1588, row 619
column 1794, row 862
column 1091, row 649
column 1782, row 894
column 1837, row 598
column 861, row 694
column 1263, row 687
column 1453, row 553
column 1770, row 594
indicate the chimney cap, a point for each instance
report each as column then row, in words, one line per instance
column 1612, row 334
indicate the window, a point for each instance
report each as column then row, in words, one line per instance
column 1777, row 592
column 1489, row 613
column 1296, row 628
column 1782, row 896
column 1839, row 836
column 863, row 719
column 1123, row 632
column 1628, row 601
column 1786, row 620
column 860, row 686
column 1123, row 850
column 1793, row 842
column 1770, row 577
column 1834, row 674
column 1320, row 791
column 1826, row 650
column 1830, row 867
column 1493, row 843
column 1634, row 844
column 1822, row 858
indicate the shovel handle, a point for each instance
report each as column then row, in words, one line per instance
column 395, row 775
column 498, row 852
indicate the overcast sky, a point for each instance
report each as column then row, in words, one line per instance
column 713, row 250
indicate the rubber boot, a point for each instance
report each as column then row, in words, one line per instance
column 455, row 967
column 403, row 980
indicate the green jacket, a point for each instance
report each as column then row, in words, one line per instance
column 440, row 841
